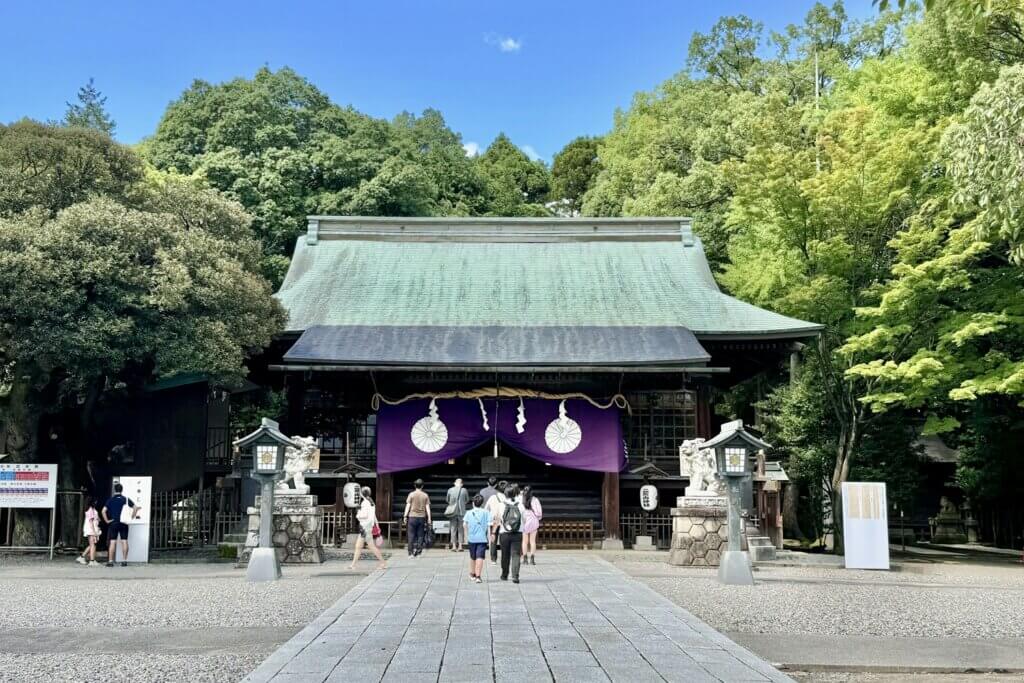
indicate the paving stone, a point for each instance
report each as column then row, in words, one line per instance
column 575, row 619
column 467, row 674
column 299, row 678
column 637, row 673
column 584, row 675
column 409, row 677
column 566, row 660
column 521, row 664
column 307, row 663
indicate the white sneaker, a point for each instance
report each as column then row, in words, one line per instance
column 80, row 560
column 94, row 563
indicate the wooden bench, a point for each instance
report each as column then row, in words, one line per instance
column 566, row 533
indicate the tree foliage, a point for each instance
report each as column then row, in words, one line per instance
column 861, row 175
column 90, row 111
column 573, row 172
column 516, row 185
column 280, row 147
column 109, row 279
column 49, row 168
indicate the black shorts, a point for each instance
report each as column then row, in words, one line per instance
column 477, row 551
column 117, row 530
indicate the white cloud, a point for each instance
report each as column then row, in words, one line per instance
column 503, row 43
column 472, row 149
column 530, row 152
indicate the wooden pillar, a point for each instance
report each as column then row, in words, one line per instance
column 295, row 393
column 704, row 412
column 610, row 511
column 339, row 495
column 385, row 486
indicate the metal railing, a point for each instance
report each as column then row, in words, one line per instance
column 334, row 526
column 654, row 524
column 225, row 523
column 181, row 519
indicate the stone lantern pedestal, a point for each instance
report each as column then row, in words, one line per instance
column 700, row 531
column 295, row 530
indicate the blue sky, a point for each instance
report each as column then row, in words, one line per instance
column 542, row 72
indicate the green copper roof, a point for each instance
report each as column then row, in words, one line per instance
column 514, row 272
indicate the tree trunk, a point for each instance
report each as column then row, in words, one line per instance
column 21, row 431
column 790, row 518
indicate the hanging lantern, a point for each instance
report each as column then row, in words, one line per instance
column 649, row 497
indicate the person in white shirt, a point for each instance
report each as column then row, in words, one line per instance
column 367, row 517
column 492, row 505
column 510, row 524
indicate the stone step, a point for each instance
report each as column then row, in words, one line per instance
column 761, row 549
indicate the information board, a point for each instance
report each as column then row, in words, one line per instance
column 139, row 490
column 24, row 485
column 865, row 525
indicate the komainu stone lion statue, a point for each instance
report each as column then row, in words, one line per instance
column 699, row 465
column 297, row 461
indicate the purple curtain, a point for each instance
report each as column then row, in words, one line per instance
column 584, row 438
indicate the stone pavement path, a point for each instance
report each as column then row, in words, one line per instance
column 574, row 618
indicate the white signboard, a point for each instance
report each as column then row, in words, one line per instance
column 865, row 525
column 138, row 490
column 24, row 485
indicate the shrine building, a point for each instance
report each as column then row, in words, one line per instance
column 573, row 354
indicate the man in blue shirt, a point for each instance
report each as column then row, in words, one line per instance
column 478, row 525
column 116, row 529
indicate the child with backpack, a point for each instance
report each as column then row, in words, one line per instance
column 510, row 526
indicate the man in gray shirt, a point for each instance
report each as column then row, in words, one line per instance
column 458, row 501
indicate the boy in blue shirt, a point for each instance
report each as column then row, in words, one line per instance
column 478, row 525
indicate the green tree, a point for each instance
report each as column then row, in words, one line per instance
column 573, row 172
column 675, row 151
column 49, row 168
column 113, row 292
column 280, row 147
column 90, row 111
column 985, row 158
column 516, row 185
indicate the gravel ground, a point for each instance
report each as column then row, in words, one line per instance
column 63, row 595
column 949, row 600
column 842, row 677
column 124, row 668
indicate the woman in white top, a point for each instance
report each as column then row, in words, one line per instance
column 367, row 517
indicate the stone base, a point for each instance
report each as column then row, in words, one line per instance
column 735, row 569
column 644, row 543
column 295, row 530
column 950, row 538
column 612, row 544
column 761, row 548
column 700, row 531
column 263, row 566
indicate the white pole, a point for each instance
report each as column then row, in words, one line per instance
column 53, row 518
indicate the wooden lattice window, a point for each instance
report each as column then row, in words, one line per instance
column 660, row 422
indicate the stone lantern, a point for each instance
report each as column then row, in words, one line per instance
column 734, row 448
column 268, row 446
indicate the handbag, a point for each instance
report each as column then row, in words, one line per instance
column 378, row 541
column 428, row 538
column 375, row 531
column 450, row 510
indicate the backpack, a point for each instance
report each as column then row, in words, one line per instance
column 512, row 517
